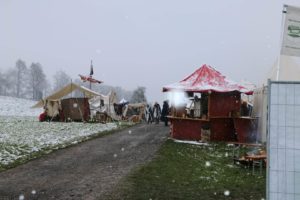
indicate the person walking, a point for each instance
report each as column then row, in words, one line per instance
column 165, row 112
column 149, row 114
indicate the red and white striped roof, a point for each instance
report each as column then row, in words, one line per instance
column 207, row 79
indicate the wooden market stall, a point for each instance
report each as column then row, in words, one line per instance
column 215, row 114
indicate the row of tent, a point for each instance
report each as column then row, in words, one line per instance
column 82, row 108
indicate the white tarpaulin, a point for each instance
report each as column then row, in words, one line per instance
column 107, row 106
column 291, row 32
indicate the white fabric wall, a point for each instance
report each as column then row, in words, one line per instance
column 260, row 101
column 289, row 69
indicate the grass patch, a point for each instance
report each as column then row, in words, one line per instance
column 183, row 171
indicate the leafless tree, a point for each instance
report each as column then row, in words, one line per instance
column 21, row 71
column 61, row 79
column 38, row 81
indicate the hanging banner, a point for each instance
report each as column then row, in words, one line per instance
column 291, row 32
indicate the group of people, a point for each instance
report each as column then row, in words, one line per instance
column 155, row 113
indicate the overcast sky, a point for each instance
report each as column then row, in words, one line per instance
column 143, row 43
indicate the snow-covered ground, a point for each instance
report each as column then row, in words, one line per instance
column 10, row 106
column 21, row 134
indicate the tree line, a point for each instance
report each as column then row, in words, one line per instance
column 30, row 82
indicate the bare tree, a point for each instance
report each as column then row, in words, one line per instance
column 2, row 84
column 21, row 71
column 61, row 79
column 38, row 81
column 10, row 82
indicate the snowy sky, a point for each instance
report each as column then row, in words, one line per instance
column 143, row 43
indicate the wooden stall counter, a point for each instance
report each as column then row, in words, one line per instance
column 246, row 129
column 222, row 128
column 186, row 128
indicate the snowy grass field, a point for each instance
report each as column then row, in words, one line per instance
column 185, row 171
column 23, row 137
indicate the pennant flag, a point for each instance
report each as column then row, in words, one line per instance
column 83, row 78
column 89, row 79
column 291, row 32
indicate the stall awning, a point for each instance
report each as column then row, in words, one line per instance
column 207, row 79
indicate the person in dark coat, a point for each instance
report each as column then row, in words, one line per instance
column 165, row 112
column 244, row 109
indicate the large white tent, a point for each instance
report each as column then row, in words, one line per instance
column 286, row 68
column 98, row 102
column 65, row 91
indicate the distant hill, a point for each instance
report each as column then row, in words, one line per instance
column 11, row 106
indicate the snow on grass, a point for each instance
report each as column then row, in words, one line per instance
column 11, row 106
column 22, row 136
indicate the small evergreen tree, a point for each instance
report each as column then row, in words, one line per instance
column 138, row 95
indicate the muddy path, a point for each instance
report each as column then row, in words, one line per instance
column 85, row 171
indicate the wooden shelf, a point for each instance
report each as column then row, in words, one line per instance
column 186, row 118
column 221, row 117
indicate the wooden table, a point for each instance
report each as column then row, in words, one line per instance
column 239, row 144
column 256, row 158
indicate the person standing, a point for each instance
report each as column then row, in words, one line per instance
column 149, row 114
column 165, row 112
column 156, row 112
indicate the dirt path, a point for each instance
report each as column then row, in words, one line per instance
column 85, row 171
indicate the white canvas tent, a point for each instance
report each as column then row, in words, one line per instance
column 260, row 111
column 95, row 99
column 123, row 101
column 65, row 91
column 289, row 70
column 105, row 104
column 140, row 106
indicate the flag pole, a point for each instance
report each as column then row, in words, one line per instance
column 71, row 89
column 91, row 74
column 281, row 40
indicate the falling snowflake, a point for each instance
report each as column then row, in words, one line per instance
column 207, row 164
column 226, row 154
column 129, row 132
column 226, row 193
column 122, row 149
column 215, row 193
column 33, row 192
column 115, row 155
column 21, row 197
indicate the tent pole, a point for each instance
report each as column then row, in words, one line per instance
column 280, row 41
